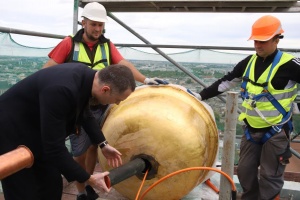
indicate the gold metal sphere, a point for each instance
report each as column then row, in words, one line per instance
column 171, row 126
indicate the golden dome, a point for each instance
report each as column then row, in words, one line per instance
column 169, row 127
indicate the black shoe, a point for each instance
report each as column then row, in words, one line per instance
column 91, row 194
column 82, row 197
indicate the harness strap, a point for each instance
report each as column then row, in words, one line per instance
column 104, row 57
column 273, row 130
column 76, row 51
column 244, row 92
column 275, row 103
column 274, row 63
column 104, row 61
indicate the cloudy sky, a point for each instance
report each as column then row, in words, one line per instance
column 202, row 29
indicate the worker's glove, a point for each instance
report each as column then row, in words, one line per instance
column 296, row 110
column 197, row 95
column 155, row 81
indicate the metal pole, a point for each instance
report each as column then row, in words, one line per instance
column 295, row 153
column 229, row 144
column 200, row 47
column 31, row 33
column 75, row 17
column 125, row 171
column 49, row 35
column 160, row 52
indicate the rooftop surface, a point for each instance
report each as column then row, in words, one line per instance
column 290, row 191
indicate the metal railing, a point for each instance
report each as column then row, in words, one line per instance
column 155, row 47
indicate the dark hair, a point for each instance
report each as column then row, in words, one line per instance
column 118, row 77
column 278, row 36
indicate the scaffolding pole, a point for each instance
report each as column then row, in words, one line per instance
column 229, row 143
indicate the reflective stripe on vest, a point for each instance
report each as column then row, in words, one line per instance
column 101, row 59
column 284, row 97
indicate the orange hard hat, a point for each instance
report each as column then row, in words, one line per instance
column 266, row 28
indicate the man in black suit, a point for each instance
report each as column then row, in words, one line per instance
column 42, row 110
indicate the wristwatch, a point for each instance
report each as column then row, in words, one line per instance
column 103, row 144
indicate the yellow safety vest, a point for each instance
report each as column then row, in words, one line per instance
column 101, row 58
column 285, row 97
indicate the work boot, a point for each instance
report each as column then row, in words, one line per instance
column 82, row 197
column 91, row 194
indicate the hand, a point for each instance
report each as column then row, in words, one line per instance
column 97, row 181
column 197, row 95
column 112, row 155
column 155, row 81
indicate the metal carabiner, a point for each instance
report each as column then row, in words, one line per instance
column 276, row 129
column 253, row 104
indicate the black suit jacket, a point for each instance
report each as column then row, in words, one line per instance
column 43, row 109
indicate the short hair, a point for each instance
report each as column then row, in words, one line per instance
column 279, row 36
column 118, row 77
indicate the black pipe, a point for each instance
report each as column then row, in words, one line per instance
column 233, row 195
column 125, row 171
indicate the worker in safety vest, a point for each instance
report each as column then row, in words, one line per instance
column 268, row 88
column 89, row 46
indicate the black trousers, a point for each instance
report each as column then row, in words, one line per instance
column 40, row 182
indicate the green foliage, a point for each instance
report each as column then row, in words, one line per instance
column 218, row 75
column 188, row 81
column 239, row 129
column 220, row 125
column 163, row 74
column 296, row 120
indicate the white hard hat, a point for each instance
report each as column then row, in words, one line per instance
column 94, row 11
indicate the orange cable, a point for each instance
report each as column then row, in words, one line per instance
column 138, row 193
column 212, row 186
column 189, row 169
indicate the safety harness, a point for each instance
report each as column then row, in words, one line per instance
column 275, row 128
